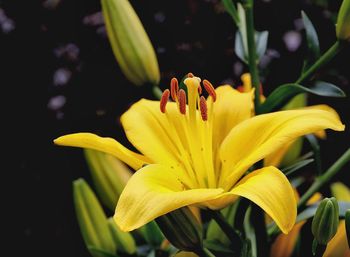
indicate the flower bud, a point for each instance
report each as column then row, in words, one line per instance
column 343, row 21
column 92, row 220
column 326, row 220
column 182, row 229
column 123, row 240
column 152, row 234
column 130, row 43
column 109, row 176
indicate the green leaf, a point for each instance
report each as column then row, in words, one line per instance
column 261, row 43
column 100, row 252
column 312, row 41
column 316, row 149
column 288, row 171
column 217, row 246
column 231, row 9
column 281, row 95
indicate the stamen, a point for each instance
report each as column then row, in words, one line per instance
column 174, row 87
column 203, row 108
column 164, row 100
column 210, row 89
column 190, row 75
column 199, row 90
column 182, row 101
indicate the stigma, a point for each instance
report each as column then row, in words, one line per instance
column 190, row 99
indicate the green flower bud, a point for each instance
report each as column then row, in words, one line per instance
column 109, row 176
column 326, row 220
column 182, row 229
column 123, row 240
column 152, row 234
column 130, row 43
column 92, row 220
column 343, row 21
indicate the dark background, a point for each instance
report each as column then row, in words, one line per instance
column 59, row 75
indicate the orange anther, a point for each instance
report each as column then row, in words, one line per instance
column 182, row 101
column 164, row 100
column 203, row 108
column 190, row 75
column 210, row 89
column 174, row 87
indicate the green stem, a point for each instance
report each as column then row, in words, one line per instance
column 204, row 252
column 258, row 221
column 323, row 179
column 231, row 234
column 252, row 57
column 324, row 59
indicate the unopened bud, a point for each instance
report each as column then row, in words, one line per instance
column 92, row 220
column 326, row 220
column 182, row 229
column 130, row 43
column 109, row 176
column 343, row 21
column 123, row 240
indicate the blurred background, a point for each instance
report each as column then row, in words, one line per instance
column 60, row 76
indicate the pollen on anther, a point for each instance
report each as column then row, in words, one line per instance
column 210, row 89
column 182, row 101
column 190, row 75
column 174, row 88
column 164, row 100
column 203, row 108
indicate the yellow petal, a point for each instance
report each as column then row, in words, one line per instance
column 148, row 129
column 270, row 189
column 231, row 107
column 338, row 246
column 284, row 244
column 154, row 191
column 103, row 144
column 254, row 139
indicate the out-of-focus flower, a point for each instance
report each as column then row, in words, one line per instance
column 130, row 43
column 343, row 21
column 92, row 220
column 198, row 153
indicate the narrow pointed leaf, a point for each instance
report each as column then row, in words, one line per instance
column 231, row 9
column 290, row 170
column 316, row 149
column 312, row 41
column 281, row 95
column 261, row 43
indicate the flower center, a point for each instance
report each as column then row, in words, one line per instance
column 193, row 127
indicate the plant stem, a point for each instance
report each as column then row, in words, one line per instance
column 204, row 252
column 231, row 234
column 323, row 179
column 324, row 59
column 258, row 221
column 252, row 57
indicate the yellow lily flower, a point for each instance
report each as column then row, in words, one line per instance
column 198, row 153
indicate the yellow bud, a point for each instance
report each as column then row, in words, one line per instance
column 109, row 176
column 343, row 21
column 130, row 43
column 92, row 220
